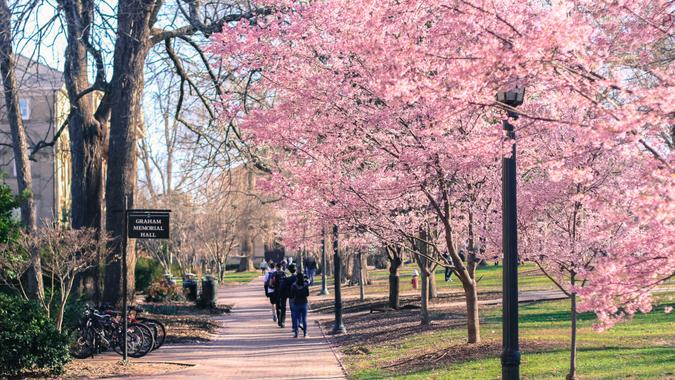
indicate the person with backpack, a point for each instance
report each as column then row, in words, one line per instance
column 278, row 283
column 269, row 291
column 299, row 294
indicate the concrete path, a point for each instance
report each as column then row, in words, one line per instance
column 251, row 346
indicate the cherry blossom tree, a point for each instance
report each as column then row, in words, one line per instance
column 383, row 117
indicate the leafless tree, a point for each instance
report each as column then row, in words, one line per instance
column 20, row 145
column 64, row 253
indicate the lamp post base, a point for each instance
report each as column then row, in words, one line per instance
column 339, row 329
column 324, row 292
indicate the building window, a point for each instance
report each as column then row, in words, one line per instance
column 24, row 105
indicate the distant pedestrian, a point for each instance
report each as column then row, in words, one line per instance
column 299, row 294
column 269, row 291
column 264, row 267
column 310, row 268
column 415, row 279
column 449, row 267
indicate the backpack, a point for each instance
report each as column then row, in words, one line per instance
column 276, row 281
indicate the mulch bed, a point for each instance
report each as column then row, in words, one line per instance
column 384, row 327
column 184, row 322
column 96, row 369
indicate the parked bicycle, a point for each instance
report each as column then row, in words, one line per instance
column 99, row 332
column 157, row 327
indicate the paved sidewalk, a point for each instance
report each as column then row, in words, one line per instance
column 251, row 346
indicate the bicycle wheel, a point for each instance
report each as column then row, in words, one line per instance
column 82, row 342
column 157, row 328
column 146, row 342
column 139, row 340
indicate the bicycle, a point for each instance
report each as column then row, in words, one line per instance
column 156, row 326
column 99, row 332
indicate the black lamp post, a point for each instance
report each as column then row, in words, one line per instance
column 324, row 283
column 511, row 350
column 339, row 327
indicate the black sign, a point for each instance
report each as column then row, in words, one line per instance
column 148, row 224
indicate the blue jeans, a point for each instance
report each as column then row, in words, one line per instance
column 299, row 314
column 311, row 273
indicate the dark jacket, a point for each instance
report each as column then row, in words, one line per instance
column 299, row 293
column 288, row 283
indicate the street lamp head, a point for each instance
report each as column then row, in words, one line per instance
column 512, row 97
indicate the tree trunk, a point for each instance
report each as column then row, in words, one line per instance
column 362, row 280
column 433, row 289
column 573, row 338
column 20, row 145
column 472, row 317
column 87, row 136
column 424, row 296
column 364, row 269
column 422, row 261
column 355, row 269
column 246, row 262
column 126, row 88
column 394, row 281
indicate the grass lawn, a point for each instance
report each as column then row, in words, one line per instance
column 643, row 347
column 489, row 281
column 232, row 277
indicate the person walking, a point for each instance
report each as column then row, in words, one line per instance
column 288, row 283
column 310, row 267
column 269, row 291
column 448, row 269
column 280, row 282
column 264, row 267
column 299, row 294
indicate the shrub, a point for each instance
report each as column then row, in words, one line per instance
column 160, row 291
column 28, row 339
column 147, row 271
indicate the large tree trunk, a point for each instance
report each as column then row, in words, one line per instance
column 126, row 88
column 20, row 144
column 395, row 262
column 246, row 261
column 86, row 133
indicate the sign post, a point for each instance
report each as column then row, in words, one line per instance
column 139, row 224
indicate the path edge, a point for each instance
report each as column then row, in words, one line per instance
column 332, row 349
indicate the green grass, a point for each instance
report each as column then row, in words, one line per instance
column 489, row 280
column 232, row 277
column 609, row 363
column 643, row 347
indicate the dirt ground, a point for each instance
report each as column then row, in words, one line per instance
column 89, row 369
column 184, row 322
